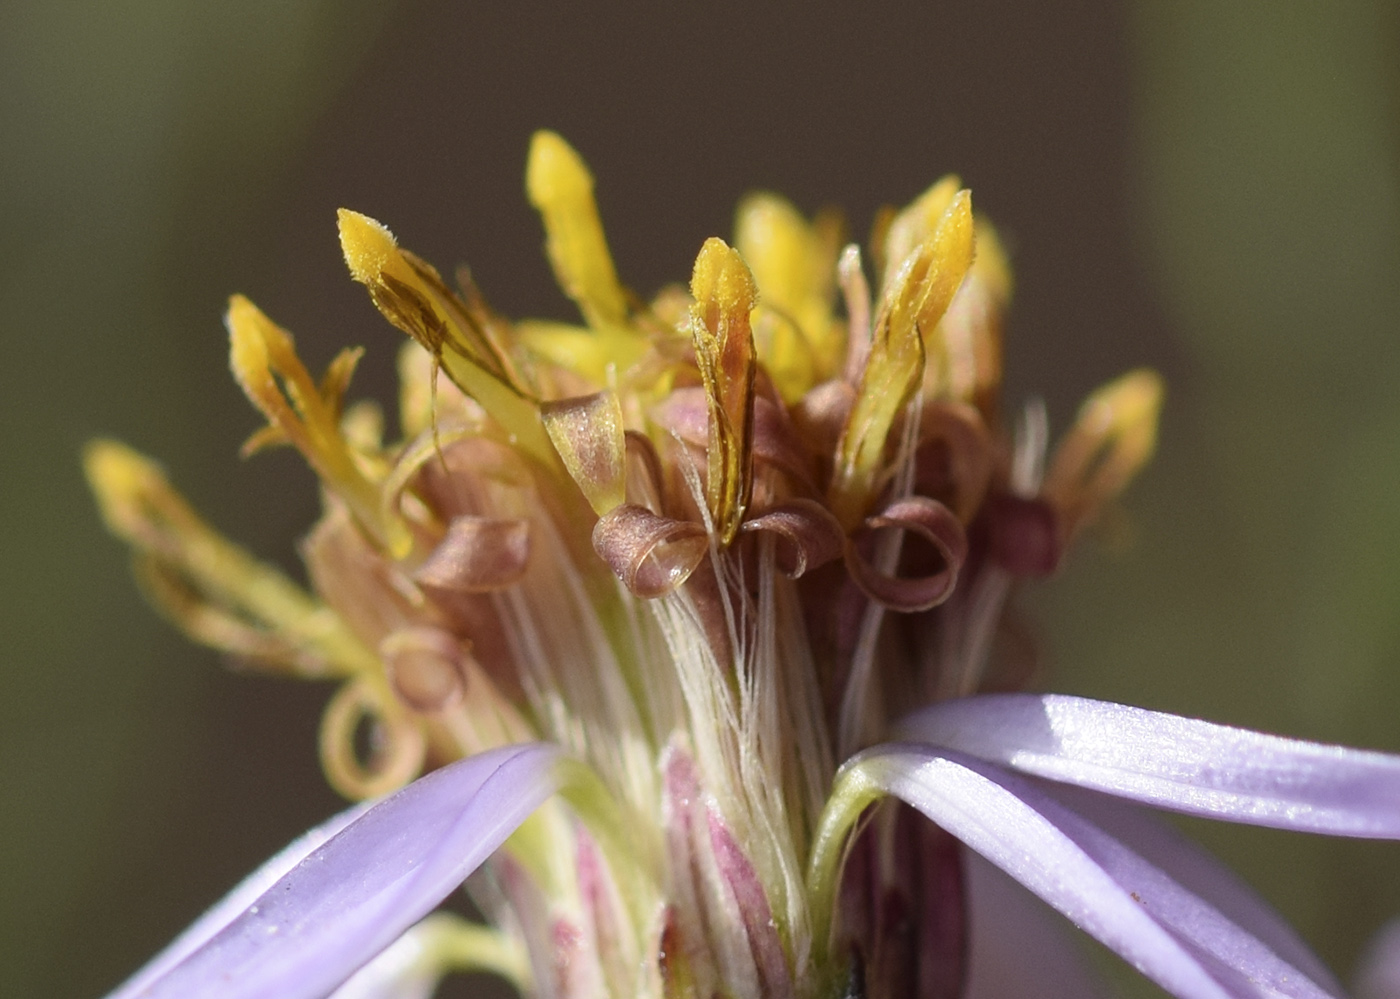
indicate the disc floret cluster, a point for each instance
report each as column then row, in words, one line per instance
column 711, row 544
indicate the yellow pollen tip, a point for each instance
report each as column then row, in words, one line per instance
column 561, row 189
column 243, row 317
column 722, row 279
column 554, row 172
column 1114, row 435
column 248, row 333
column 725, row 294
column 368, row 245
column 119, row 477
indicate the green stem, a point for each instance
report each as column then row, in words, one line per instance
column 851, row 793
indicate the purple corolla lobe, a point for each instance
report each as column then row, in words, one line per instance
column 338, row 896
column 1167, row 761
column 1167, row 932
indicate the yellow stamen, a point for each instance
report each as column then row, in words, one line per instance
column 991, row 265
column 923, row 287
column 590, row 353
column 911, row 226
column 965, row 350
column 794, row 263
column 214, row 590
column 561, row 189
column 265, row 362
column 725, row 294
column 412, row 296
column 1113, row 437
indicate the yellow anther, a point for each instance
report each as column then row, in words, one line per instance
column 369, row 248
column 1114, row 435
column 458, row 334
column 561, row 189
column 925, row 284
column 991, row 265
column 913, row 224
column 725, row 294
column 776, row 241
column 413, row 296
column 212, row 589
column 265, row 363
column 590, row 353
column 794, row 263
column 965, row 350
column 910, row 310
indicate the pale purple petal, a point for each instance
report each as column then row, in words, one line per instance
column 353, row 896
column 1019, row 946
column 1234, row 954
column 1196, row 870
column 244, row 894
column 403, row 970
column 1378, row 975
column 1172, row 762
column 1166, row 932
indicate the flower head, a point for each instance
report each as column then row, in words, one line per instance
column 629, row 591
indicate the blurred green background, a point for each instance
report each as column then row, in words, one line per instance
column 1212, row 189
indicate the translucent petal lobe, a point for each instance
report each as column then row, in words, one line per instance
column 1181, row 764
column 588, row 434
column 478, row 554
column 353, row 896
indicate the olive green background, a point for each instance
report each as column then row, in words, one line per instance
column 1212, row 189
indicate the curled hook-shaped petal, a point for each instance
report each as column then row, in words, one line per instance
column 937, row 525
column 478, row 554
column 685, row 412
column 809, row 535
column 427, row 667
column 396, row 743
column 650, row 554
column 955, row 458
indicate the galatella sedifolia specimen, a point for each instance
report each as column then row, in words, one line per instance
column 665, row 603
